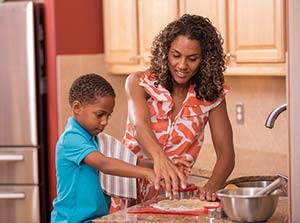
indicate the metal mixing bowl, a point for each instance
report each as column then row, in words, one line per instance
column 282, row 191
column 242, row 205
column 257, row 183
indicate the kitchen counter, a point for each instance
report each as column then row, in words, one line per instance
column 280, row 215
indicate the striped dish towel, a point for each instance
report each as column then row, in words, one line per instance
column 116, row 186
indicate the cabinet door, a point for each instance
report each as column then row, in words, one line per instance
column 120, row 32
column 256, row 30
column 215, row 10
column 154, row 15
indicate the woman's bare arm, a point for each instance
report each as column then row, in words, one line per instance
column 221, row 133
column 140, row 120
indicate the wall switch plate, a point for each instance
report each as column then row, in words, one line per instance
column 239, row 113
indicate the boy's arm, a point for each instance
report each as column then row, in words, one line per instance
column 145, row 163
column 117, row 167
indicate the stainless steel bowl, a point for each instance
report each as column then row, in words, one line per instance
column 258, row 183
column 282, row 191
column 242, row 205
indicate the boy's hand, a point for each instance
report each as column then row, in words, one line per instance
column 150, row 176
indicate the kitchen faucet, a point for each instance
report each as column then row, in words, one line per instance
column 274, row 114
column 270, row 124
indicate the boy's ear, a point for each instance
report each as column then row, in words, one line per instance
column 76, row 106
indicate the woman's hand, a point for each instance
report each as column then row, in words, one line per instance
column 208, row 192
column 171, row 175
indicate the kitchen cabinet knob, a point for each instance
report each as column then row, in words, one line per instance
column 137, row 58
column 228, row 55
column 228, row 58
column 133, row 58
column 141, row 58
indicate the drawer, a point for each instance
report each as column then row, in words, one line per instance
column 18, row 165
column 19, row 204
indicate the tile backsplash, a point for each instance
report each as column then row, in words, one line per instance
column 257, row 148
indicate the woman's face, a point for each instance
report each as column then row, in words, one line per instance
column 184, row 59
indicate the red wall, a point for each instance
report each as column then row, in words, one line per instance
column 79, row 28
column 51, row 92
column 71, row 27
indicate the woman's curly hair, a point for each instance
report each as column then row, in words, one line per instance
column 209, row 78
column 87, row 88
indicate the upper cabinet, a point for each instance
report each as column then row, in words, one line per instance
column 120, row 33
column 253, row 32
column 129, row 29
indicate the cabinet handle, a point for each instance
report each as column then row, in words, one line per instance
column 133, row 58
column 228, row 55
column 141, row 58
column 11, row 157
column 137, row 58
column 12, row 195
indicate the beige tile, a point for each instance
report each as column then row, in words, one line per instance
column 257, row 147
column 69, row 67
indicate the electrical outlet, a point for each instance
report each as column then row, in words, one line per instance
column 239, row 113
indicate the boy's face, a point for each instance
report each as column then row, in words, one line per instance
column 94, row 117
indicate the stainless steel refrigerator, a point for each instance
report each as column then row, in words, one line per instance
column 23, row 129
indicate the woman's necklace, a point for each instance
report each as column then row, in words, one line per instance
column 178, row 100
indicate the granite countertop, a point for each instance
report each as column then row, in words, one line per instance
column 198, row 177
column 280, row 215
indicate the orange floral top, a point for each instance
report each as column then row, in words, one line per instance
column 181, row 138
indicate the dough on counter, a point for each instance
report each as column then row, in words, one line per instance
column 184, row 204
column 231, row 186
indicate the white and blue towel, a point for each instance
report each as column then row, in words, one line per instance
column 116, row 186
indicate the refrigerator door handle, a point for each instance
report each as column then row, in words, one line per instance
column 11, row 157
column 12, row 195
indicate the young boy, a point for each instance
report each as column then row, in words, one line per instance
column 79, row 193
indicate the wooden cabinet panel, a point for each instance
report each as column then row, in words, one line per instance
column 256, row 30
column 253, row 32
column 154, row 15
column 120, row 31
column 215, row 10
column 130, row 27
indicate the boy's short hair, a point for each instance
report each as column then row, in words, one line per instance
column 87, row 88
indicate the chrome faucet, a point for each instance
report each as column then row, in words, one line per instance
column 270, row 124
column 274, row 114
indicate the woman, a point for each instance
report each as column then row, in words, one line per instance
column 170, row 104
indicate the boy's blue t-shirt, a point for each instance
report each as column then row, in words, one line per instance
column 79, row 193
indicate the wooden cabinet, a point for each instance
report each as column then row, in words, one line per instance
column 120, row 32
column 253, row 32
column 215, row 10
column 129, row 29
